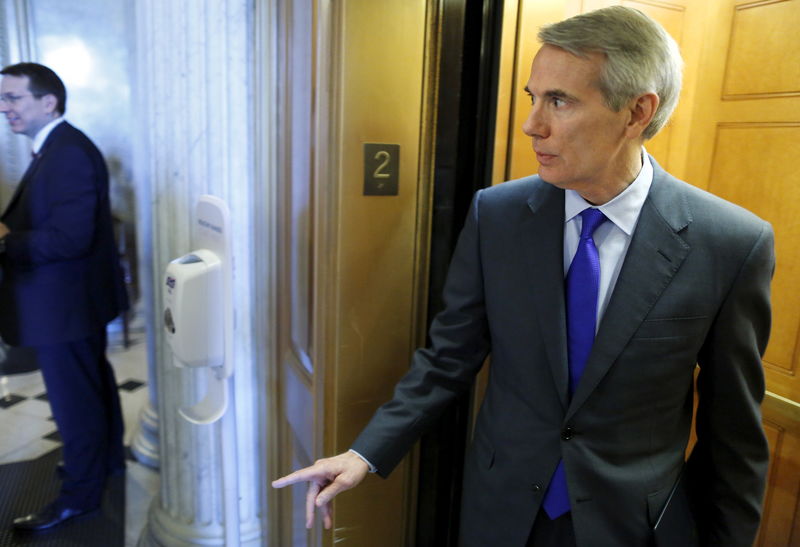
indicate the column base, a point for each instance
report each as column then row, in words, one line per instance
column 145, row 444
column 162, row 530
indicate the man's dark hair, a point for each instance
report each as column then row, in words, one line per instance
column 41, row 81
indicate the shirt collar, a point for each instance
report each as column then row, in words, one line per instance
column 43, row 133
column 624, row 209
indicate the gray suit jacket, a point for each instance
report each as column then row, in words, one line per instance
column 693, row 289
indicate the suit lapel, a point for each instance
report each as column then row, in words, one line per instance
column 33, row 164
column 23, row 183
column 542, row 237
column 655, row 254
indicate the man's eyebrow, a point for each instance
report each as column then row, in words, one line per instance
column 560, row 94
column 555, row 93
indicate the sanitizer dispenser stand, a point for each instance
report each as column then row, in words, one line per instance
column 198, row 322
column 198, row 311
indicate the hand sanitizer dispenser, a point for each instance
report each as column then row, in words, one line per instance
column 193, row 311
column 198, row 313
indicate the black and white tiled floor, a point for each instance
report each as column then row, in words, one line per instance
column 27, row 429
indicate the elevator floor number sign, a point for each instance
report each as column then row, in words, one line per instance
column 381, row 169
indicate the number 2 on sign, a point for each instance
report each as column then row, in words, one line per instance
column 385, row 157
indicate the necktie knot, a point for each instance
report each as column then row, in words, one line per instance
column 592, row 218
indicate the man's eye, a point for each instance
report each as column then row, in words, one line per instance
column 558, row 102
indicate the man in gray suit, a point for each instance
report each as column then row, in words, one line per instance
column 581, row 441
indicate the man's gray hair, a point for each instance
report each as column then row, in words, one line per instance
column 640, row 56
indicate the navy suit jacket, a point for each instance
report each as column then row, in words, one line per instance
column 61, row 275
column 693, row 289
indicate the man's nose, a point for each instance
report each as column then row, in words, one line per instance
column 535, row 125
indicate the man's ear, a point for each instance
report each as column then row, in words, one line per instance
column 50, row 102
column 642, row 109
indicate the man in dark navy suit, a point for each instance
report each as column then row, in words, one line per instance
column 61, row 284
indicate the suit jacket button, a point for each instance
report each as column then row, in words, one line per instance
column 567, row 433
column 536, row 487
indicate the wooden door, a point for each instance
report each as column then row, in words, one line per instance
column 745, row 147
column 297, row 442
column 736, row 133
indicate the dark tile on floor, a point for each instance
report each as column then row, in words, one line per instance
column 54, row 436
column 131, row 385
column 18, row 360
column 28, row 485
column 10, row 400
column 42, row 397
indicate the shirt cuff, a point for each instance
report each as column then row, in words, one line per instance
column 372, row 468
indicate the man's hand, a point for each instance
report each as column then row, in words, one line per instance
column 4, row 230
column 327, row 478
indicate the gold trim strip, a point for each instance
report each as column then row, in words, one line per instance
column 750, row 125
column 751, row 96
column 664, row 5
column 757, row 4
column 779, row 369
column 782, row 412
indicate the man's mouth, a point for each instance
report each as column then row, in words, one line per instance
column 544, row 158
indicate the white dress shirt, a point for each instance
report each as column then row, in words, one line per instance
column 43, row 133
column 611, row 238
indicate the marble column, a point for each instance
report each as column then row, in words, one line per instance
column 196, row 102
column 15, row 46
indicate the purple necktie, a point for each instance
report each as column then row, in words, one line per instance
column 583, row 281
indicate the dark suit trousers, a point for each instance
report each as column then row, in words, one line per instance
column 552, row 533
column 85, row 403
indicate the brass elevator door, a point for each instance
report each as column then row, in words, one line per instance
column 355, row 168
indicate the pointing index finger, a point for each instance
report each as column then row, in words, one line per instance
column 302, row 475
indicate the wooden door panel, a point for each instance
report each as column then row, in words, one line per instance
column 755, row 164
column 762, row 57
column 295, row 370
column 781, row 523
column 298, row 443
column 293, row 499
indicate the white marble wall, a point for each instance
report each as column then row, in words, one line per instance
column 196, row 98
